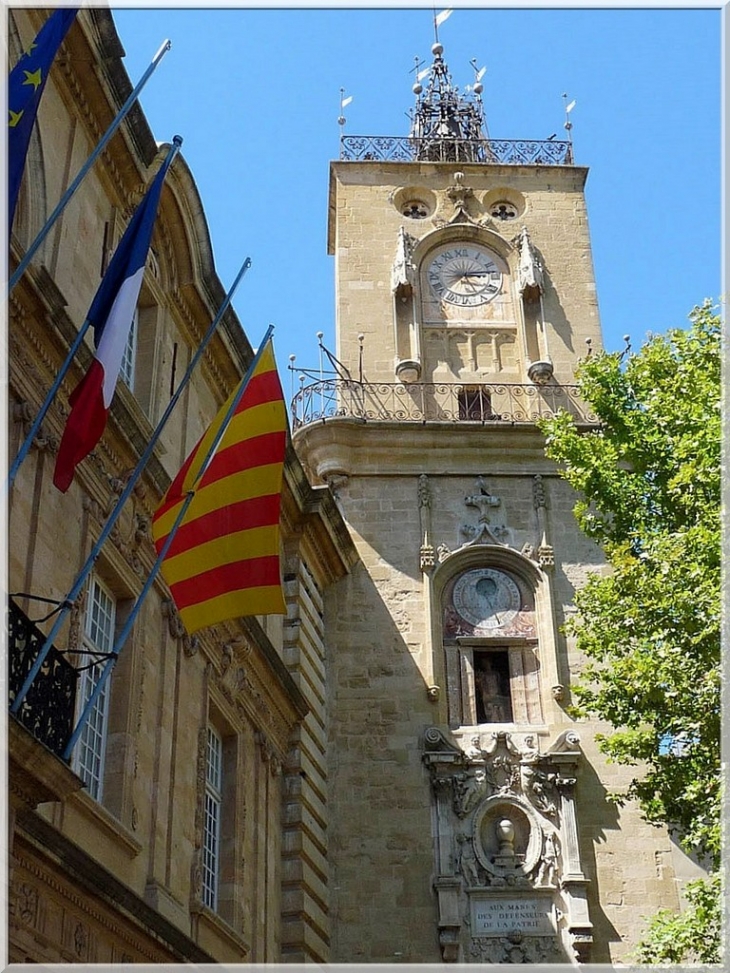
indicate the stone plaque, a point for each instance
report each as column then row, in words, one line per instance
column 499, row 916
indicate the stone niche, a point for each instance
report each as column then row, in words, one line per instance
column 509, row 880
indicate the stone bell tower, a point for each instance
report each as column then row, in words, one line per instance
column 468, row 818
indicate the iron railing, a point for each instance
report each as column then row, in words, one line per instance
column 434, row 402
column 47, row 710
column 511, row 152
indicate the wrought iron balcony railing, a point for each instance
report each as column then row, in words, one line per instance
column 48, row 708
column 434, row 402
column 519, row 152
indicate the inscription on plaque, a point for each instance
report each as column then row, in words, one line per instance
column 500, row 916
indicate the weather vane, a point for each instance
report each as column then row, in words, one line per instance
column 568, row 109
column 439, row 19
column 344, row 102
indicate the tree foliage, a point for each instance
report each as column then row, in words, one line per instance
column 648, row 478
column 691, row 936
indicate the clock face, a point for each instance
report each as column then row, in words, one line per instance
column 486, row 598
column 465, row 276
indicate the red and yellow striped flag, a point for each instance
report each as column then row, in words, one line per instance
column 223, row 561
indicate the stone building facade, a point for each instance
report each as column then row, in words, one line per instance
column 472, row 819
column 190, row 823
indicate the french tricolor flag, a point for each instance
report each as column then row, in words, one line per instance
column 110, row 316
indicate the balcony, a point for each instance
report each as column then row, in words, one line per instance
column 47, row 711
column 424, row 402
column 509, row 152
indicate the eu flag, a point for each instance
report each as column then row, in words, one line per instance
column 25, row 87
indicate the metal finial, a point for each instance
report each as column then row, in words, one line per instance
column 589, row 342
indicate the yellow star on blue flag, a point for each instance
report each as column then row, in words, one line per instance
column 25, row 88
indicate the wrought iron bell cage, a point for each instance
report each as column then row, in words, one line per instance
column 445, row 122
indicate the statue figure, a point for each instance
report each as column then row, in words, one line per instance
column 467, row 861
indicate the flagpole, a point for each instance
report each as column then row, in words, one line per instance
column 233, row 406
column 30, row 253
column 28, row 441
column 118, row 645
column 124, row 496
column 126, row 629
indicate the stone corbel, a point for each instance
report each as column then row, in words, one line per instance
column 449, row 925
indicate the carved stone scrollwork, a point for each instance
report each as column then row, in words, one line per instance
column 176, row 628
column 23, row 414
column 174, row 622
column 142, row 529
column 469, row 788
column 74, row 623
column 268, row 754
column 515, row 948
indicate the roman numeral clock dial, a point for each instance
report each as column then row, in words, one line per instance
column 465, row 276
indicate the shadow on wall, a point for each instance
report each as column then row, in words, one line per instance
column 591, row 795
column 380, row 844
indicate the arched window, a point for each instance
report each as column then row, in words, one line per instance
column 491, row 647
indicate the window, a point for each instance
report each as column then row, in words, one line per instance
column 475, row 403
column 212, row 818
column 126, row 372
column 493, row 697
column 98, row 640
column 491, row 649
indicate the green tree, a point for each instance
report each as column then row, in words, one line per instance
column 648, row 478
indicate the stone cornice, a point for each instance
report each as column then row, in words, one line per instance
column 343, row 446
column 104, row 888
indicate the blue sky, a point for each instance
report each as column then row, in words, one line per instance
column 255, row 95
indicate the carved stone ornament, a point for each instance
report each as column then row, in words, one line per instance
column 23, row 414
column 505, row 832
column 403, row 273
column 459, row 194
column 427, row 555
column 483, row 532
column 529, row 271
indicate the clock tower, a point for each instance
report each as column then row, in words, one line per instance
column 467, row 813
